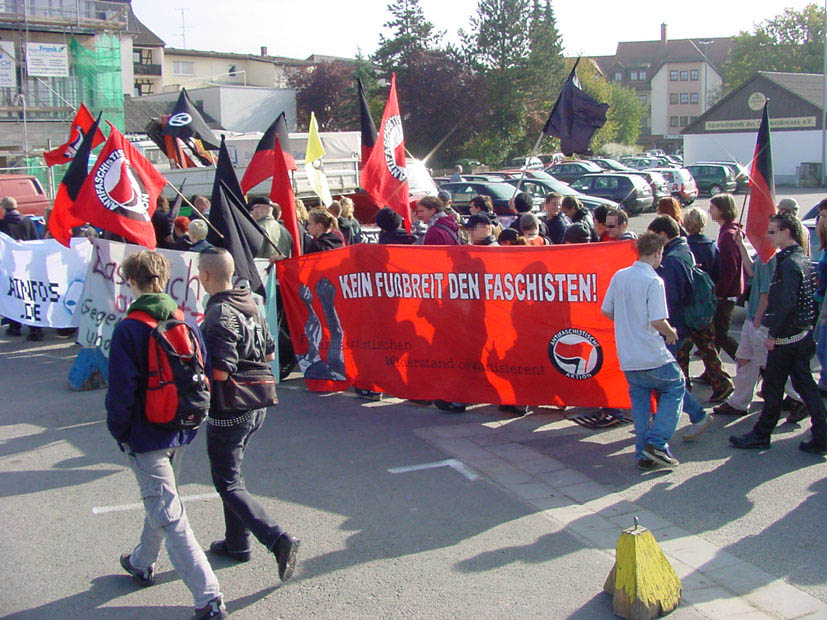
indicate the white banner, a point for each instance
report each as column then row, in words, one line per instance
column 42, row 281
column 8, row 68
column 47, row 59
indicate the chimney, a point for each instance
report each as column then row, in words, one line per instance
column 263, row 50
column 663, row 38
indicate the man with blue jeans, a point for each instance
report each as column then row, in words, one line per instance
column 636, row 302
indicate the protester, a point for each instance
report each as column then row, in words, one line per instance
column 266, row 214
column 480, row 230
column 730, row 284
column 789, row 319
column 442, row 229
column 418, row 227
column 522, row 203
column 197, row 231
column 457, row 176
column 348, row 224
column 752, row 353
column 703, row 248
column 181, row 227
column 790, row 205
column 392, row 229
column 320, row 226
column 20, row 228
column 237, row 338
column 162, row 223
column 301, row 219
column 672, row 207
column 599, row 216
column 636, row 302
column 154, row 453
column 675, row 270
column 483, row 204
column 202, row 204
column 616, row 224
column 448, row 203
column 574, row 210
column 530, row 227
column 579, row 232
column 509, row 236
column 821, row 269
column 555, row 221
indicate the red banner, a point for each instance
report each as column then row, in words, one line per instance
column 502, row 325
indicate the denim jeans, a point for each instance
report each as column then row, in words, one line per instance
column 821, row 352
column 166, row 521
column 242, row 512
column 691, row 406
column 667, row 381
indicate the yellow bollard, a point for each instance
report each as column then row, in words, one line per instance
column 642, row 583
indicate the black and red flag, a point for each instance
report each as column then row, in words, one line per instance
column 185, row 122
column 261, row 165
column 281, row 192
column 368, row 126
column 61, row 221
column 81, row 125
column 575, row 116
column 121, row 191
column 385, row 175
column 762, row 191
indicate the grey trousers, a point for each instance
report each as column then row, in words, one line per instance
column 166, row 520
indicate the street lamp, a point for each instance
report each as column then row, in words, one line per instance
column 705, row 43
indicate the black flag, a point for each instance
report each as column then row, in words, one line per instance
column 242, row 238
column 368, row 126
column 575, row 116
column 186, row 122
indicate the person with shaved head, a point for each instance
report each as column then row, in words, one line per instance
column 237, row 338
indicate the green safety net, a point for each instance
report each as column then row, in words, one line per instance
column 99, row 77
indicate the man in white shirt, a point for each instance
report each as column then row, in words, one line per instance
column 636, row 302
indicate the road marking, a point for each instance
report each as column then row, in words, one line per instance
column 97, row 510
column 452, row 463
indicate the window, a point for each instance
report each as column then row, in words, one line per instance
column 693, row 74
column 641, row 75
column 684, row 76
column 183, row 67
column 673, row 76
column 643, row 99
column 633, row 76
column 673, row 121
column 136, row 57
column 618, row 76
column 673, row 97
column 693, row 97
column 644, row 122
column 142, row 87
column 684, row 121
column 684, row 97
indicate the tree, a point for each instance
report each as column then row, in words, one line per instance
column 327, row 88
column 791, row 41
column 412, row 34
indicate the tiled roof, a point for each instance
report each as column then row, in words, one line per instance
column 808, row 86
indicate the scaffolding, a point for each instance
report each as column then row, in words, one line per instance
column 98, row 75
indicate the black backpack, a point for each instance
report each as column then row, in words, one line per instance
column 177, row 390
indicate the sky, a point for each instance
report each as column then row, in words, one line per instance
column 297, row 29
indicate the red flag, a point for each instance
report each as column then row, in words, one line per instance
column 385, row 176
column 80, row 127
column 60, row 220
column 281, row 192
column 120, row 192
column 261, row 165
column 762, row 192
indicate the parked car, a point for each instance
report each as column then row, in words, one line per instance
column 612, row 165
column 630, row 190
column 713, row 178
column 529, row 163
column 681, row 184
column 741, row 173
column 641, row 163
column 660, row 188
column 469, row 163
column 569, row 171
column 551, row 158
column 500, row 194
column 541, row 187
column 26, row 189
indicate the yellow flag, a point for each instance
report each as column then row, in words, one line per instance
column 313, row 163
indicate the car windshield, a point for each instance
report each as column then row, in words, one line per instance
column 556, row 186
column 580, row 184
column 503, row 191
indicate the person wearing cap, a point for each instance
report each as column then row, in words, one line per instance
column 578, row 233
column 480, row 230
column 530, row 227
column 448, row 202
column 790, row 205
column 391, row 229
column 509, row 236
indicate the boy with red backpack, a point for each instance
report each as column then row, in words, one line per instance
column 158, row 394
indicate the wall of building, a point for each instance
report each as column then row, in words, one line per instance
column 207, row 70
column 254, row 109
column 659, row 117
column 789, row 150
column 127, row 72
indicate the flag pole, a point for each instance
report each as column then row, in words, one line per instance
column 194, row 210
column 259, row 228
column 522, row 176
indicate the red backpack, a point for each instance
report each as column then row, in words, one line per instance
column 177, row 390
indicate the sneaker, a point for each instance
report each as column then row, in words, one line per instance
column 646, row 464
column 515, row 410
column 661, row 455
column 219, row 547
column 286, row 549
column 214, row 609
column 750, row 441
column 727, row 409
column 697, row 429
column 813, row 446
column 35, row 336
column 797, row 413
column 444, row 405
column 144, row 579
column 721, row 395
column 13, row 331
column 368, row 394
